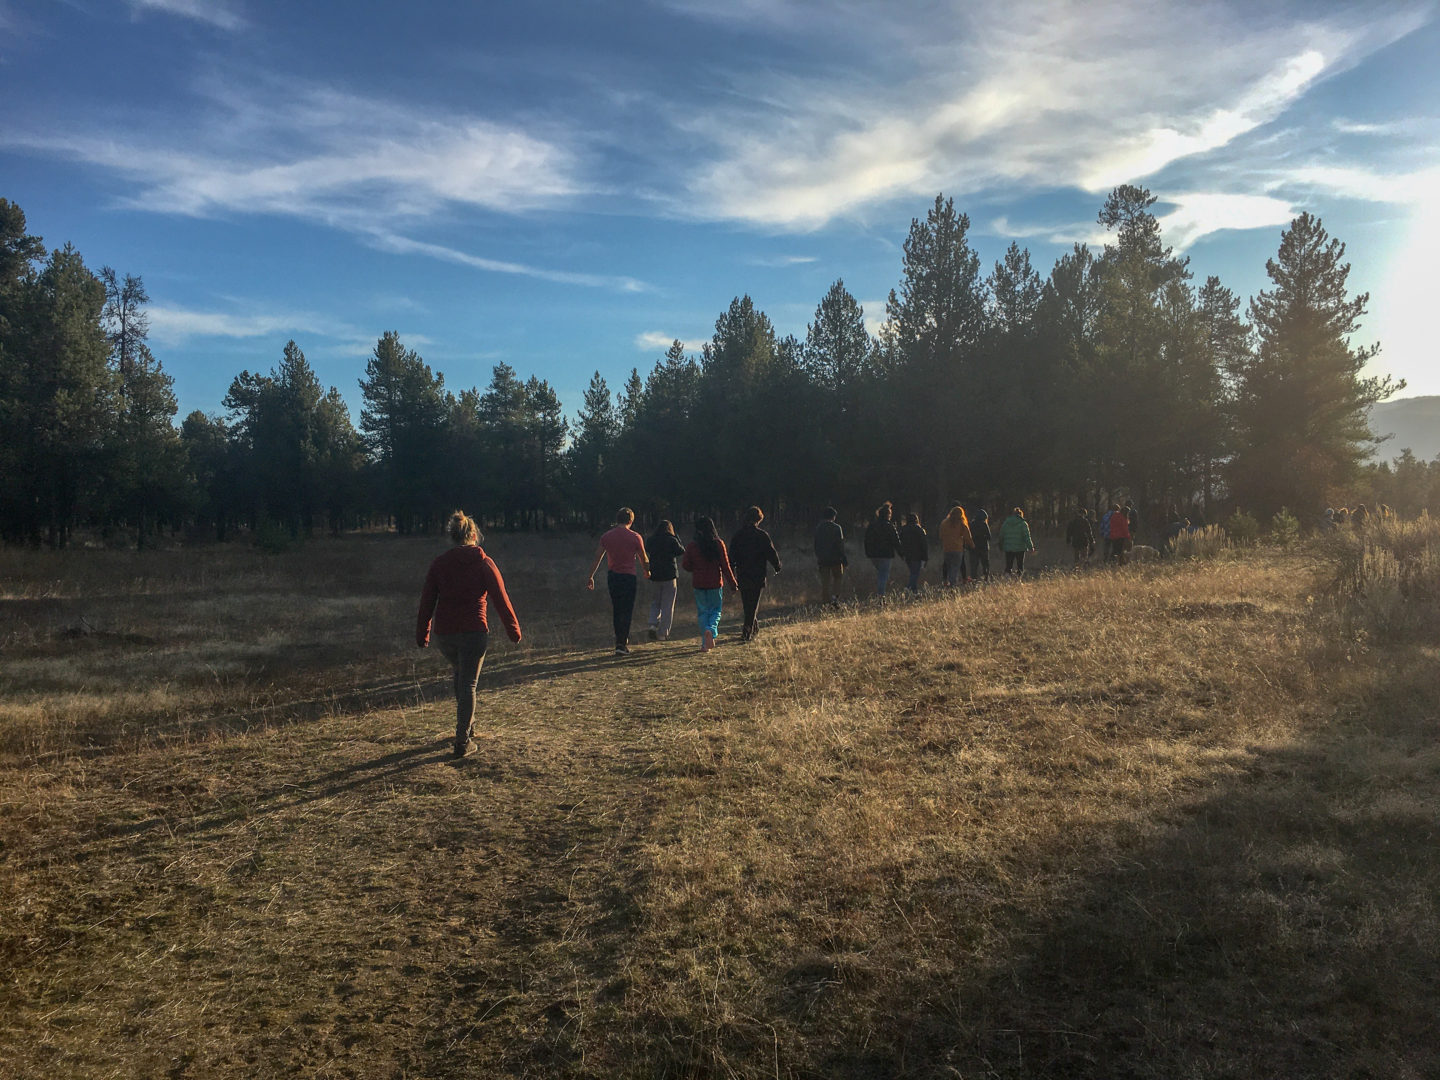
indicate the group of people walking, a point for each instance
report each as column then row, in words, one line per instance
column 748, row 560
column 1116, row 529
column 964, row 547
column 463, row 585
column 743, row 566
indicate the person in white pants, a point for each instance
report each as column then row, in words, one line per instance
column 664, row 547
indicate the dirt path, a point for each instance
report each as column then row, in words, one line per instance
column 340, row 896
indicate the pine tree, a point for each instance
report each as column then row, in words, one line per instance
column 1134, row 392
column 591, row 457
column 144, row 462
column 58, row 397
column 935, row 327
column 402, row 422
column 842, row 389
column 1301, row 401
column 19, row 254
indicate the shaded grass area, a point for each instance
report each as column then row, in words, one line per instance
column 1140, row 824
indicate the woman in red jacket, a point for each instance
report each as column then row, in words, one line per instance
column 709, row 564
column 456, row 589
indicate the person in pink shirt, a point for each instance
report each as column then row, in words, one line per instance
column 625, row 550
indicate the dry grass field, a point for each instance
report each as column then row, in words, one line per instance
column 1172, row 821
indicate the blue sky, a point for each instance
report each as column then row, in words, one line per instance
column 565, row 187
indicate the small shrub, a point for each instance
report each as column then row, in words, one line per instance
column 1388, row 576
column 1242, row 528
column 1203, row 543
column 1284, row 528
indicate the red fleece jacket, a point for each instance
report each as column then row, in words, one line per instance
column 456, row 588
column 709, row 573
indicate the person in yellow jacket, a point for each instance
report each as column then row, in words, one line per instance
column 955, row 540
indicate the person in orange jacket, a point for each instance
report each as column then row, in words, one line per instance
column 955, row 540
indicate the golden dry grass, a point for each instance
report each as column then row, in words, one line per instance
column 1155, row 823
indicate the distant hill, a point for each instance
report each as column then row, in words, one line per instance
column 1414, row 422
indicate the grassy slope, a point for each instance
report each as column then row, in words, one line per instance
column 1123, row 825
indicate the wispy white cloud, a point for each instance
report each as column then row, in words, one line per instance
column 782, row 261
column 1191, row 217
column 1199, row 214
column 318, row 334
column 215, row 12
column 177, row 325
column 1020, row 96
column 653, row 339
column 402, row 245
column 1369, row 184
column 323, row 155
column 1071, row 232
column 1404, row 126
column 343, row 160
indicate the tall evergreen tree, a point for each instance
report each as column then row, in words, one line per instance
column 1302, row 400
column 1066, row 320
column 737, row 375
column 842, row 421
column 403, row 424
column 659, row 437
column 591, row 459
column 57, row 395
column 213, row 462
column 503, row 409
column 545, row 433
column 935, row 327
column 144, row 462
column 19, row 254
column 1134, row 393
column 1016, row 381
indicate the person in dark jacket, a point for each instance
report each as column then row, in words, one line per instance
column 457, row 586
column 830, row 554
column 664, row 548
column 914, row 548
column 882, row 544
column 980, row 537
column 752, row 553
column 1080, row 536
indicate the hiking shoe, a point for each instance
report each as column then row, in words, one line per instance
column 653, row 634
column 622, row 650
column 460, row 749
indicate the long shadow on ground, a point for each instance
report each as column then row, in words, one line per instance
column 1283, row 927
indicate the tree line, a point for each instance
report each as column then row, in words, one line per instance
column 1116, row 373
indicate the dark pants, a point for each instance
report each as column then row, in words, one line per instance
column 1015, row 560
column 622, row 595
column 466, row 653
column 750, row 599
column 980, row 561
column 916, row 566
